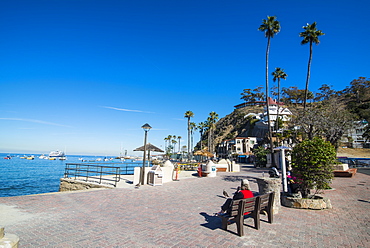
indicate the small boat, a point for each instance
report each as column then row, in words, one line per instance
column 31, row 157
column 43, row 157
column 56, row 154
column 8, row 157
column 52, row 158
column 62, row 158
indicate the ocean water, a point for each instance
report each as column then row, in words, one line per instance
column 25, row 177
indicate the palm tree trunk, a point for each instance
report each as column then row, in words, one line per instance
column 278, row 109
column 267, row 102
column 188, row 138
column 308, row 77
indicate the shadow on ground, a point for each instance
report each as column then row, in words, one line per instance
column 212, row 221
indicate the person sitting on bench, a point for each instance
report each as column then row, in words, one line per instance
column 242, row 192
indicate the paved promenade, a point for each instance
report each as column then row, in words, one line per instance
column 180, row 214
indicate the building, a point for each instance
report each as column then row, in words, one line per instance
column 239, row 148
column 354, row 137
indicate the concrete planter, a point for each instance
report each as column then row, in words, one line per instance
column 316, row 203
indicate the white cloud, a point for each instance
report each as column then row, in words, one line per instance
column 126, row 110
column 34, row 121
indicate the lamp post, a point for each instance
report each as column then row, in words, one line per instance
column 146, row 127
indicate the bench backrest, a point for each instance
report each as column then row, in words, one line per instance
column 267, row 200
column 248, row 205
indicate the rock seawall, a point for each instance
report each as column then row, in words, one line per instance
column 73, row 185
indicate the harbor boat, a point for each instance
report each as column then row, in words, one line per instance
column 56, row 154
column 43, row 157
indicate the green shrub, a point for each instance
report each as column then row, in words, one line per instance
column 312, row 164
column 261, row 156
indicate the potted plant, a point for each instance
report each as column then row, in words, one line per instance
column 312, row 164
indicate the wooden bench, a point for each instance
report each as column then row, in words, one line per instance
column 252, row 206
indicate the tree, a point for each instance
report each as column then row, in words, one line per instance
column 165, row 142
column 188, row 115
column 312, row 164
column 357, row 97
column 174, row 142
column 270, row 27
column 201, row 127
column 211, row 121
column 293, row 94
column 310, row 35
column 327, row 119
column 277, row 75
column 179, row 138
column 366, row 134
column 193, row 127
column 250, row 95
column 325, row 93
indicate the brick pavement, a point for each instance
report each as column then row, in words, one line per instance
column 180, row 214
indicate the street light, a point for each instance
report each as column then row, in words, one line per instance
column 146, row 127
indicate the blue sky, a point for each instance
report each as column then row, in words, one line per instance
column 85, row 75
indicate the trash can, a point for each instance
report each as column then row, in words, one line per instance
column 155, row 176
column 211, row 169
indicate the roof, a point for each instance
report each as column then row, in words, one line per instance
column 149, row 147
column 270, row 101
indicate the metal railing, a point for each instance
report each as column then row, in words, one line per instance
column 93, row 172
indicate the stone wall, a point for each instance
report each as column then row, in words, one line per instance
column 316, row 203
column 72, row 185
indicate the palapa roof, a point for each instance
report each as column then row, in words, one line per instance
column 149, row 147
column 204, row 153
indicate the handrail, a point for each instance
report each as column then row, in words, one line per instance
column 91, row 171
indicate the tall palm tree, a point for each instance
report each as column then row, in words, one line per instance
column 211, row 121
column 193, row 127
column 179, row 138
column 310, row 35
column 278, row 74
column 270, row 27
column 165, row 143
column 189, row 114
column 201, row 127
column 169, row 137
column 174, row 145
column 173, row 139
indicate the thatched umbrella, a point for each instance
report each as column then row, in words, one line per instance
column 149, row 147
column 204, row 153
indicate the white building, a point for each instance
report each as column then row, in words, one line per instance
column 354, row 138
column 239, row 147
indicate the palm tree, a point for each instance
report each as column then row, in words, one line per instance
column 211, row 121
column 201, row 127
column 169, row 138
column 173, row 139
column 179, row 138
column 270, row 27
column 165, row 143
column 189, row 114
column 310, row 35
column 174, row 145
column 278, row 74
column 193, row 127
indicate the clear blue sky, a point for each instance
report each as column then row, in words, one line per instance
column 85, row 75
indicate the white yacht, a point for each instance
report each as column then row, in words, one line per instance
column 56, row 154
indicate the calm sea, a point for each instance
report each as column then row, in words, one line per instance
column 25, row 177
